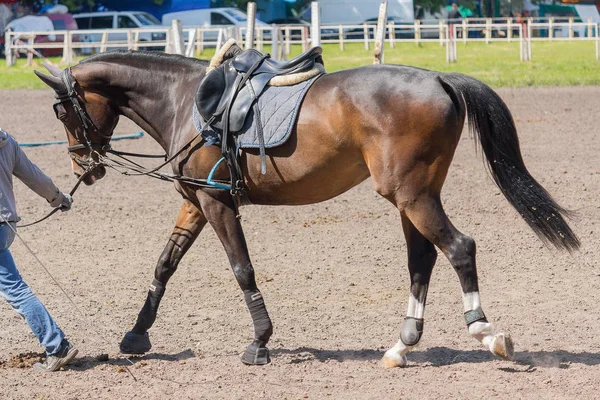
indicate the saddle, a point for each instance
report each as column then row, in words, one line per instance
column 233, row 87
column 234, row 81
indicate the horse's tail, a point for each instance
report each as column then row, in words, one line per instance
column 490, row 118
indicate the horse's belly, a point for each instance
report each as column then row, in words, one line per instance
column 307, row 181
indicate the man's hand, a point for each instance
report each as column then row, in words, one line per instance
column 62, row 200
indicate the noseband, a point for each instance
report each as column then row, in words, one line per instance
column 70, row 95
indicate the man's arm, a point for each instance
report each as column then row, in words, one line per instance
column 33, row 177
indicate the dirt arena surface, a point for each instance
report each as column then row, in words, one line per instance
column 333, row 275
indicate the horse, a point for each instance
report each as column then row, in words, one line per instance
column 399, row 125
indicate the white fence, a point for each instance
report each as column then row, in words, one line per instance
column 189, row 41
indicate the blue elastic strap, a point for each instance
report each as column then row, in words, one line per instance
column 209, row 180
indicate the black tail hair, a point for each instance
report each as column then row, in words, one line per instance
column 490, row 118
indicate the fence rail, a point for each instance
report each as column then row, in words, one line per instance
column 191, row 40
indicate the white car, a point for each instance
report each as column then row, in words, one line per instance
column 119, row 20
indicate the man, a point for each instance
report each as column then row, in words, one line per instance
column 454, row 14
column 14, row 162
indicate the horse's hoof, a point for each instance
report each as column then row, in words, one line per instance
column 256, row 355
column 503, row 347
column 134, row 343
column 393, row 360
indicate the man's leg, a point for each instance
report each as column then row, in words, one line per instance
column 20, row 297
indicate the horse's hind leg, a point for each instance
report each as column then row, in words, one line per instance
column 421, row 259
column 428, row 216
column 221, row 214
column 187, row 228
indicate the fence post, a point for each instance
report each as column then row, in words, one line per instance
column 380, row 33
column 366, row 36
column 191, row 46
column 509, row 29
column 590, row 28
column 465, row 31
column 103, row 42
column 10, row 57
column 442, row 33
column 551, row 28
column 488, row 30
column 200, row 41
column 571, row 31
column 259, row 39
column 129, row 40
column 30, row 41
column 417, row 32
column 177, row 37
column 304, row 38
column 288, row 40
column 315, row 26
column 529, row 34
column 341, row 37
column 136, row 39
column 250, row 26
column 392, row 34
column 450, row 43
column 68, row 50
column 597, row 43
column 275, row 41
column 220, row 38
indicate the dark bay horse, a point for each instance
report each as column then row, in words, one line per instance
column 399, row 125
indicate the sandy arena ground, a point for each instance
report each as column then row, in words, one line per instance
column 333, row 274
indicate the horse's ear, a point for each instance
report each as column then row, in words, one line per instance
column 52, row 81
column 55, row 71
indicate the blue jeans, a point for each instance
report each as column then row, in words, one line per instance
column 20, row 297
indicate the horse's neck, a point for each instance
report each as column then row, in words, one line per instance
column 151, row 98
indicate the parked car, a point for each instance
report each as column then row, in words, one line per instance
column 210, row 17
column 120, row 20
column 60, row 22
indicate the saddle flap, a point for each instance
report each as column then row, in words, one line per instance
column 209, row 93
column 215, row 91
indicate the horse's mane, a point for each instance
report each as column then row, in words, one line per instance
column 144, row 57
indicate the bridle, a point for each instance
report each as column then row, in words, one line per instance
column 84, row 142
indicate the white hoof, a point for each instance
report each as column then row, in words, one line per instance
column 392, row 360
column 502, row 346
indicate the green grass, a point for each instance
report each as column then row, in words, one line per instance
column 497, row 64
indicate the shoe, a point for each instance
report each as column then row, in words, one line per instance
column 56, row 361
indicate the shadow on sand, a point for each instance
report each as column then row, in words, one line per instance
column 86, row 363
column 442, row 356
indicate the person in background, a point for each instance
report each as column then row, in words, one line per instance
column 453, row 17
column 12, row 287
column 454, row 13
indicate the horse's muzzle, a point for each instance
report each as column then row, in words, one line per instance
column 93, row 175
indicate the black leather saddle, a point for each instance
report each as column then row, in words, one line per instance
column 233, row 87
column 227, row 93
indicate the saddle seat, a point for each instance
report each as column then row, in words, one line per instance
column 231, row 87
column 306, row 60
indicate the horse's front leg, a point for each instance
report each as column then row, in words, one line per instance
column 189, row 225
column 220, row 213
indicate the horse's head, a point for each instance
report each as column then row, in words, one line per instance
column 89, row 119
